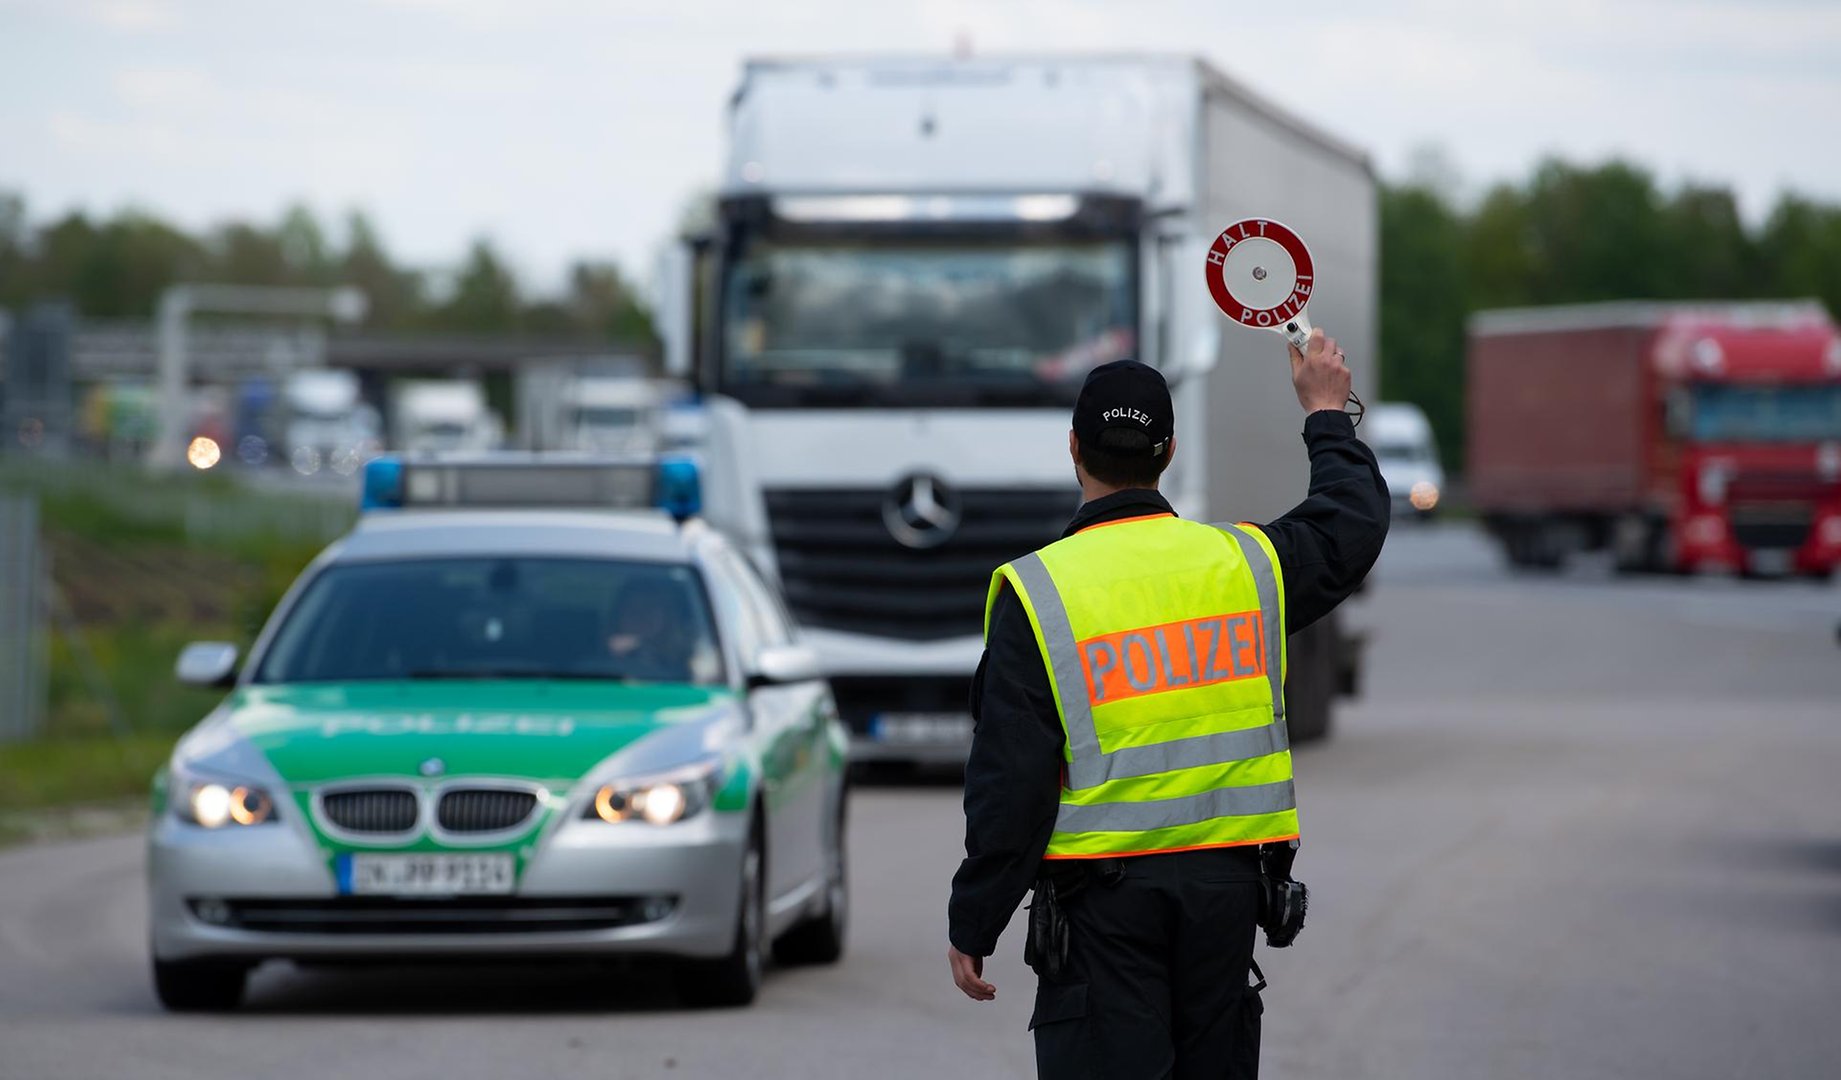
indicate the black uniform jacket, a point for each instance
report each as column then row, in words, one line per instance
column 1325, row 545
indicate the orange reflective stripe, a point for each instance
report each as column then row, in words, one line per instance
column 1122, row 521
column 1173, row 850
column 1171, row 656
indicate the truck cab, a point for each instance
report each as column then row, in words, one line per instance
column 1754, row 414
column 913, row 264
column 443, row 415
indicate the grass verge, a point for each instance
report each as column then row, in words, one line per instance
column 143, row 564
column 54, row 772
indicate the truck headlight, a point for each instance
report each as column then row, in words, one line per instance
column 215, row 805
column 656, row 800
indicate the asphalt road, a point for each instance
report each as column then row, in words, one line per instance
column 1576, row 827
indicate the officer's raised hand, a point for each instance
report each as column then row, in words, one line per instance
column 1318, row 374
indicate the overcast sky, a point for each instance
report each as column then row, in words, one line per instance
column 578, row 129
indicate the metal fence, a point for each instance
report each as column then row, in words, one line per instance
column 204, row 514
column 23, row 642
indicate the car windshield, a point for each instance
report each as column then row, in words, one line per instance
column 925, row 322
column 498, row 618
column 1726, row 413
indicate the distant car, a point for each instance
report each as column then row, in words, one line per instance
column 1403, row 444
column 507, row 732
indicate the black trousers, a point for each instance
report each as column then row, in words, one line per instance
column 1160, row 950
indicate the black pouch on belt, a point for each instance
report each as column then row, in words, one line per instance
column 1045, row 949
column 1283, row 901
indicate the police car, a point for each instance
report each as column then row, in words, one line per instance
column 482, row 724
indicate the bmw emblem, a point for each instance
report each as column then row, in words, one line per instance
column 434, row 766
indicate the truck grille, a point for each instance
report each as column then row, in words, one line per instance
column 1773, row 526
column 360, row 915
column 842, row 570
column 371, row 810
column 483, row 810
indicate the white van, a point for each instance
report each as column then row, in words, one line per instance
column 1402, row 442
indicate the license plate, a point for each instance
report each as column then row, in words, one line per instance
column 426, row 875
column 1772, row 562
column 941, row 727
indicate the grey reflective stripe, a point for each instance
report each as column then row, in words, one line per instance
column 1064, row 667
column 1219, row 748
column 1271, row 614
column 1135, row 817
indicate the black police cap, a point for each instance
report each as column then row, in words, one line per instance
column 1125, row 394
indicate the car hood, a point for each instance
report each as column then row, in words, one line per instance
column 538, row 730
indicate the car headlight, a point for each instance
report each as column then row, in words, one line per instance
column 656, row 800
column 215, row 805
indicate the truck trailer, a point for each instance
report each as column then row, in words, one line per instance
column 1680, row 436
column 914, row 263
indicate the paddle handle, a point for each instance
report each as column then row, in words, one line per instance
column 1297, row 331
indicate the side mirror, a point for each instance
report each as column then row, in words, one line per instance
column 207, row 663
column 675, row 316
column 780, row 664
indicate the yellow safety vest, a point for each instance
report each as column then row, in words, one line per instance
column 1164, row 641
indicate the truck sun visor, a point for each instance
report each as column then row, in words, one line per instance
column 1052, row 206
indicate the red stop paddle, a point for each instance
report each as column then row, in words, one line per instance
column 1260, row 274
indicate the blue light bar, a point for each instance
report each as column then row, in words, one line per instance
column 383, row 484
column 509, row 480
column 680, row 490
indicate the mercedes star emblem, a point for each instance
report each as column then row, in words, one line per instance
column 921, row 512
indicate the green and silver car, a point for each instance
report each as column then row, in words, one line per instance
column 506, row 732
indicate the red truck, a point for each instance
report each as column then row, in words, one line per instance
column 1680, row 436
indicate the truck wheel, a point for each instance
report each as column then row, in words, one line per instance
column 1310, row 685
column 1631, row 543
column 736, row 978
column 199, row 985
column 1518, row 543
column 820, row 939
column 1662, row 558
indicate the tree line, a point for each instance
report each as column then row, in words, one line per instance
column 115, row 267
column 1567, row 234
column 1571, row 234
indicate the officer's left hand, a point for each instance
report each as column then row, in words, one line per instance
column 968, row 974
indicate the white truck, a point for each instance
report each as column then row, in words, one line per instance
column 914, row 263
column 327, row 423
column 564, row 409
column 442, row 414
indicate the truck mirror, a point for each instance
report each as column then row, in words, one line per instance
column 1678, row 411
column 677, row 269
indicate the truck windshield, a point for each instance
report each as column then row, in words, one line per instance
column 498, row 618
column 598, row 416
column 1724, row 413
column 924, row 322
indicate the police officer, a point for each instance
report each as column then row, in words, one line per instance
column 1130, row 761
